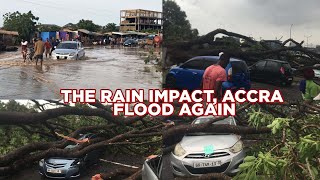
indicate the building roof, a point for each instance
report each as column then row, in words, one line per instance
column 14, row 33
column 133, row 10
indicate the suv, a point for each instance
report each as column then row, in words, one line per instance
column 189, row 74
column 270, row 70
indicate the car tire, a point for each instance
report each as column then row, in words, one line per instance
column 170, row 82
column 77, row 58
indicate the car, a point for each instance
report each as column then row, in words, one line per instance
column 66, row 168
column 189, row 74
column 130, row 42
column 273, row 71
column 202, row 153
column 69, row 50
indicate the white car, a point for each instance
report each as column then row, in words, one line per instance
column 202, row 153
column 69, row 50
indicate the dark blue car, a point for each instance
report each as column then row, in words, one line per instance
column 189, row 74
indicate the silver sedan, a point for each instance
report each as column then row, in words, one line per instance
column 202, row 153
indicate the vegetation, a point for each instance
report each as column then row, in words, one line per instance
column 110, row 27
column 88, row 25
column 175, row 24
column 291, row 152
column 23, row 23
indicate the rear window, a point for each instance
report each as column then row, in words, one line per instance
column 239, row 67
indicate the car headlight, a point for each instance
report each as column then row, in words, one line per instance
column 178, row 150
column 72, row 54
column 237, row 147
column 41, row 162
column 76, row 162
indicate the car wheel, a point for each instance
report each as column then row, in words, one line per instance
column 77, row 58
column 170, row 82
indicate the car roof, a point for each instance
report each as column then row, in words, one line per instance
column 69, row 42
column 214, row 58
column 275, row 60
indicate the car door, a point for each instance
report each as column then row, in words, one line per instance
column 257, row 70
column 272, row 71
column 190, row 74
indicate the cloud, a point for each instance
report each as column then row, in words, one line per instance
column 260, row 18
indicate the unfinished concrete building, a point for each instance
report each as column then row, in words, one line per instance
column 139, row 20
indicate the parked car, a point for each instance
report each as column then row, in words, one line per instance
column 202, row 153
column 272, row 71
column 192, row 156
column 66, row 168
column 69, row 50
column 189, row 74
column 130, row 42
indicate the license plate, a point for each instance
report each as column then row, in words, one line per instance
column 207, row 164
column 55, row 171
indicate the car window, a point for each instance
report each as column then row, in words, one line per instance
column 260, row 65
column 272, row 66
column 193, row 64
column 229, row 120
column 67, row 46
column 239, row 67
column 207, row 63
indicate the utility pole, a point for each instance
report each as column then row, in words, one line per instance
column 290, row 30
column 308, row 39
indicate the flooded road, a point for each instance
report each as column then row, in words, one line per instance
column 103, row 68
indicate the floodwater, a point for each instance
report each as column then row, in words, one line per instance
column 103, row 68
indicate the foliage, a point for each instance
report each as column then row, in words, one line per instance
column 23, row 23
column 110, row 27
column 291, row 153
column 48, row 28
column 175, row 24
column 88, row 25
column 71, row 26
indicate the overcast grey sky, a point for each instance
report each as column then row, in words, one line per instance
column 258, row 18
column 61, row 12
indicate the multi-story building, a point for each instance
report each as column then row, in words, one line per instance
column 139, row 20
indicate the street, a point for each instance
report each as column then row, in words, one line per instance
column 103, row 68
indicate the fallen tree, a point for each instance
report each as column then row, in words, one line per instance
column 179, row 52
column 132, row 132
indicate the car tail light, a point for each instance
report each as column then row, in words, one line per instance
column 282, row 70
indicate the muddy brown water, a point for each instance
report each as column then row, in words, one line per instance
column 102, row 68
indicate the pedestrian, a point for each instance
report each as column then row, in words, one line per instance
column 39, row 50
column 309, row 88
column 47, row 45
column 24, row 49
column 54, row 45
column 215, row 75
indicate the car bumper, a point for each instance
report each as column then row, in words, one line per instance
column 184, row 166
column 57, row 56
column 73, row 172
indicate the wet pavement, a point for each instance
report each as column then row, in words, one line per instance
column 103, row 68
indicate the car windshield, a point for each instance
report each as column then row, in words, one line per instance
column 226, row 121
column 67, row 46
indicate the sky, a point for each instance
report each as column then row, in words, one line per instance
column 61, row 12
column 265, row 19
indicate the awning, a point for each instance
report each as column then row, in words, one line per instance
column 14, row 33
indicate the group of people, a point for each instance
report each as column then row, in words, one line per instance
column 39, row 48
column 215, row 75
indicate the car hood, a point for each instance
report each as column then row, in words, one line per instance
column 65, row 50
column 196, row 144
column 60, row 161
